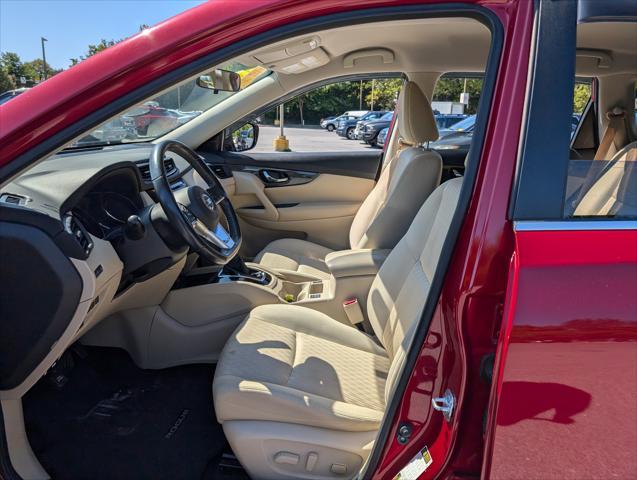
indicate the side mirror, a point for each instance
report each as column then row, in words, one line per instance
column 220, row 81
column 244, row 138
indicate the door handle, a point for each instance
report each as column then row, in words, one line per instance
column 269, row 178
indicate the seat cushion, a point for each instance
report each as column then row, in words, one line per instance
column 295, row 255
column 291, row 364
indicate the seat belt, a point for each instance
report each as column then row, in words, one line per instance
column 353, row 311
column 617, row 122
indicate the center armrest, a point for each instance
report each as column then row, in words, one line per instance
column 353, row 263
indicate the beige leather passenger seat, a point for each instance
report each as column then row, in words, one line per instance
column 385, row 215
column 301, row 395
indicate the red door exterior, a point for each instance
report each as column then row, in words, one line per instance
column 468, row 315
column 564, row 400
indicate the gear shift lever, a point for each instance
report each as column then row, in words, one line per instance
column 237, row 266
column 237, row 269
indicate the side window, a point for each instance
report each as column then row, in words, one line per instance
column 602, row 181
column 455, row 102
column 341, row 116
column 579, row 153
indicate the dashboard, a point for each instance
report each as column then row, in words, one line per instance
column 64, row 242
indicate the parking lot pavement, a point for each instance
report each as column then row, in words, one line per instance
column 307, row 140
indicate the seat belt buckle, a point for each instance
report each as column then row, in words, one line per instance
column 353, row 311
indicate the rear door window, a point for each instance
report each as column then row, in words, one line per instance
column 580, row 155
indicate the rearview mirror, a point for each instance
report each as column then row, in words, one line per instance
column 220, row 81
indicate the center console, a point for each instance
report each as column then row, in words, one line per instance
column 203, row 308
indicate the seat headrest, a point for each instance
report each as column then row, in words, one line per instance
column 415, row 119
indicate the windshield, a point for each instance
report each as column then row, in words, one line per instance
column 387, row 116
column 167, row 111
column 464, row 124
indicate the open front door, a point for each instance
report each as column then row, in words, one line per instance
column 438, row 410
column 565, row 377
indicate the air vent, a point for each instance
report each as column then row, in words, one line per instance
column 169, row 165
column 73, row 227
column 13, row 199
column 221, row 171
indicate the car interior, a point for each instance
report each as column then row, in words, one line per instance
column 213, row 313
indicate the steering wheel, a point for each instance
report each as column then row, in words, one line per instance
column 194, row 211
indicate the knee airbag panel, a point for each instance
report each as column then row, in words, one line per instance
column 39, row 293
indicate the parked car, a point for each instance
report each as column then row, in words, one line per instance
column 449, row 317
column 347, row 126
column 459, row 141
column 114, row 131
column 151, row 117
column 362, row 122
column 445, row 120
column 382, row 137
column 349, row 115
column 329, row 123
column 370, row 130
column 464, row 125
column 9, row 94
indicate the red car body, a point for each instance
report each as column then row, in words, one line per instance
column 499, row 283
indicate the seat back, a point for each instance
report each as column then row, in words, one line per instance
column 399, row 291
column 614, row 193
column 405, row 182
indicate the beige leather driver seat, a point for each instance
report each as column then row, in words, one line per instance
column 385, row 215
column 301, row 395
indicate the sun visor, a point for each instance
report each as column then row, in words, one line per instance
column 301, row 63
column 287, row 50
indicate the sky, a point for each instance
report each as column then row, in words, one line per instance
column 71, row 25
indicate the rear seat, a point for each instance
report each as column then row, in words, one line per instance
column 614, row 193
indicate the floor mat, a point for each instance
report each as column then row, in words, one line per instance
column 113, row 420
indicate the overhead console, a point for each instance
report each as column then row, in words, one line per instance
column 293, row 57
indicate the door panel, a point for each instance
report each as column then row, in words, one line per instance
column 312, row 196
column 362, row 164
column 566, row 371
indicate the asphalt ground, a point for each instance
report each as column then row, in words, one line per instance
column 307, row 140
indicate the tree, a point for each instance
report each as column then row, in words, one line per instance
column 33, row 69
column 6, row 82
column 10, row 62
column 385, row 93
column 581, row 94
column 301, row 100
column 449, row 90
column 93, row 49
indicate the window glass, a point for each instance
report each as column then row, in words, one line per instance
column 455, row 101
column 341, row 116
column 602, row 180
column 167, row 111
